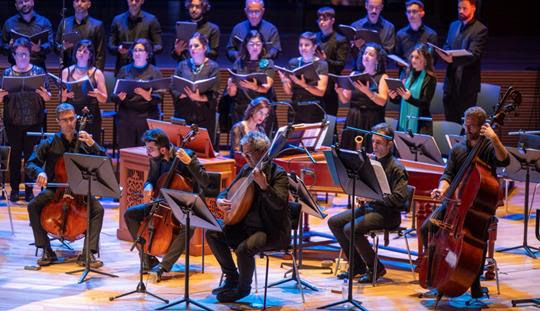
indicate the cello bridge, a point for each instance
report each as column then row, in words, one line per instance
column 442, row 225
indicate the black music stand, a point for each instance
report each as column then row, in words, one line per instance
column 417, row 147
column 90, row 175
column 191, row 211
column 301, row 195
column 141, row 287
column 524, row 166
column 357, row 177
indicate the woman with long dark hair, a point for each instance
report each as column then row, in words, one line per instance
column 254, row 117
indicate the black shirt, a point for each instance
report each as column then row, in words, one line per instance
column 134, row 102
column 24, row 108
column 385, row 29
column 459, row 153
column 212, row 33
column 392, row 204
column 50, row 150
column 336, row 48
column 88, row 28
column 36, row 25
column 407, row 38
column 194, row 171
column 127, row 28
column 268, row 31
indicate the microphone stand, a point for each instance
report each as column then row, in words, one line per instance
column 141, row 287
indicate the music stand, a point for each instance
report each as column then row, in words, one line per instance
column 90, row 175
column 524, row 166
column 201, row 144
column 357, row 177
column 418, row 148
column 191, row 211
column 309, row 206
column 453, row 140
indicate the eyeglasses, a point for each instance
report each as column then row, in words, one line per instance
column 374, row 7
column 139, row 50
column 254, row 12
column 262, row 113
column 249, row 154
column 151, row 148
column 21, row 55
column 67, row 120
column 324, row 19
column 194, row 6
column 254, row 44
column 412, row 12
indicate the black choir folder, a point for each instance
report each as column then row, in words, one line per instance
column 22, row 84
column 72, row 37
column 453, row 53
column 80, row 88
column 352, row 34
column 260, row 77
column 128, row 86
column 394, row 84
column 42, row 36
column 185, row 30
column 346, row 82
column 179, row 83
column 307, row 70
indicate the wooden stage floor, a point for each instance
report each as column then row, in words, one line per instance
column 52, row 289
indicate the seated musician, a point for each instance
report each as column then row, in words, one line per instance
column 379, row 214
column 41, row 166
column 493, row 154
column 266, row 224
column 161, row 154
column 254, row 117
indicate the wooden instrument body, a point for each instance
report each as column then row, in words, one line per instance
column 163, row 226
column 456, row 250
column 240, row 205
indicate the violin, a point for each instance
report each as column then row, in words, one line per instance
column 159, row 229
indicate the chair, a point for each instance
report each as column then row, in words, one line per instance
column 488, row 98
column 399, row 230
column 5, row 152
column 436, row 106
column 110, row 81
column 441, row 129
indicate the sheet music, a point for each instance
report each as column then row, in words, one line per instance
column 381, row 176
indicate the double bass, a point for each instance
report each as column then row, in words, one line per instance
column 65, row 216
column 160, row 227
column 454, row 255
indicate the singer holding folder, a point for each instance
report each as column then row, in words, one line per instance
column 194, row 106
column 161, row 154
column 367, row 100
column 250, row 60
column 135, row 108
column 90, row 96
column 23, row 112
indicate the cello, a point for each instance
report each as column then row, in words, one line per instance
column 65, row 216
column 160, row 227
column 454, row 255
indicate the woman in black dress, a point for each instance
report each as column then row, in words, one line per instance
column 134, row 109
column 367, row 100
column 251, row 60
column 84, row 53
column 23, row 112
column 195, row 107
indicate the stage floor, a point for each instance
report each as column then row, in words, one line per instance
column 52, row 289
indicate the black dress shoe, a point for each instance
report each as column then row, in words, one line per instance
column 28, row 195
column 48, row 257
column 345, row 275
column 149, row 263
column 231, row 282
column 368, row 277
column 14, row 196
column 94, row 263
column 232, row 295
column 159, row 273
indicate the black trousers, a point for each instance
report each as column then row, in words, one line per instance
column 246, row 243
column 427, row 226
column 131, row 127
column 133, row 217
column 20, row 145
column 456, row 103
column 340, row 225
column 40, row 235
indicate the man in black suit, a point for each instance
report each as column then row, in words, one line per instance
column 462, row 82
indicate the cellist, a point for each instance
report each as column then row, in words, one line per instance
column 41, row 166
column 493, row 154
column 161, row 154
